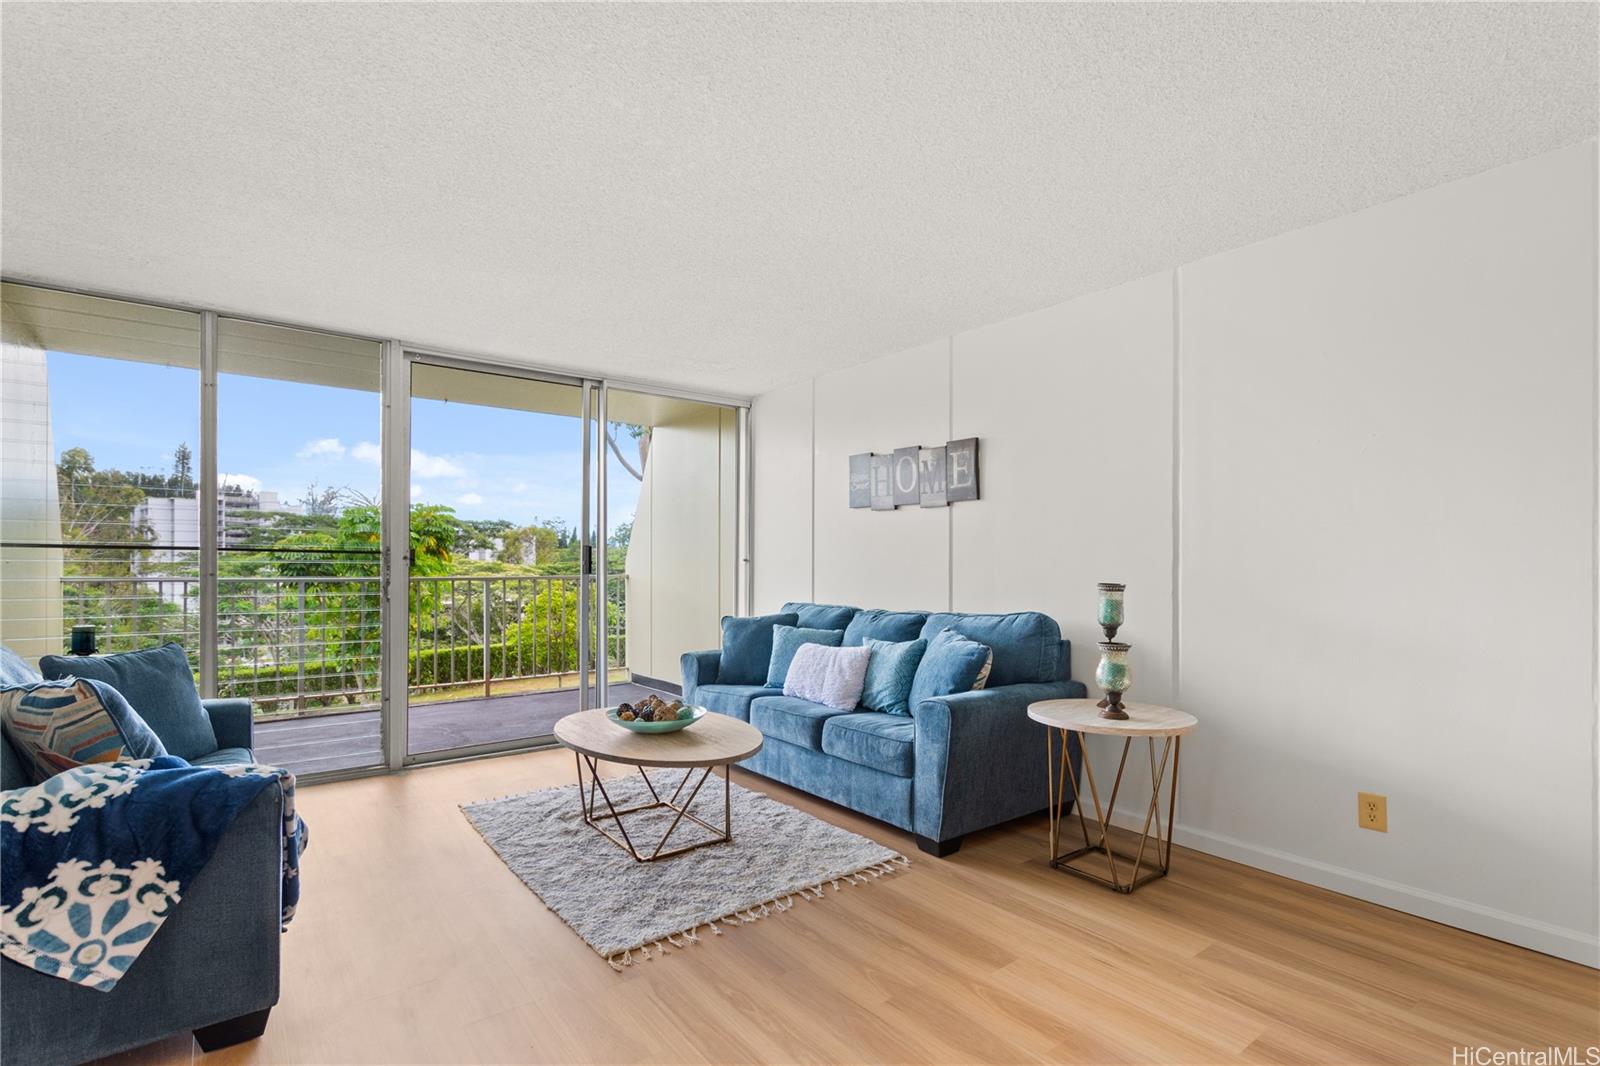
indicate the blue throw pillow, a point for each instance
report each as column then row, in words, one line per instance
column 951, row 664
column 890, row 673
column 786, row 640
column 58, row 725
column 159, row 685
column 747, row 648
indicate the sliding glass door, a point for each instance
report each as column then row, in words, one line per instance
column 500, row 591
column 569, row 541
column 298, row 618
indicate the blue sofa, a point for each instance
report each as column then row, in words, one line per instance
column 212, row 967
column 958, row 764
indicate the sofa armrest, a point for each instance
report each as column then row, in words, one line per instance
column 215, row 958
column 979, row 756
column 699, row 668
column 230, row 720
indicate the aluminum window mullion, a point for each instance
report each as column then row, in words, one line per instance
column 602, row 594
column 585, row 538
column 209, row 514
column 744, row 573
column 395, row 535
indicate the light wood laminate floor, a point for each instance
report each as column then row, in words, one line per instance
column 415, row 944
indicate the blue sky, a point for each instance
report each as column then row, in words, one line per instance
column 484, row 462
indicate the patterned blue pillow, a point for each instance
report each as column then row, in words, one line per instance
column 57, row 725
column 786, row 640
column 158, row 683
column 889, row 675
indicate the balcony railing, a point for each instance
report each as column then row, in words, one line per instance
column 312, row 645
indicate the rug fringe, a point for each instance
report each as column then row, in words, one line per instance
column 683, row 938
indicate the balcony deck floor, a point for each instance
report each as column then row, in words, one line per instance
column 351, row 741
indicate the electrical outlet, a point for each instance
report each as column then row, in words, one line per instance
column 1372, row 811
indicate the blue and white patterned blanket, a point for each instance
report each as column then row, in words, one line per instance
column 93, row 860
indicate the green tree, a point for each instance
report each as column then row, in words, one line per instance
column 96, row 505
column 182, row 479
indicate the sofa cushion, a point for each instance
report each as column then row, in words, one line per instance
column 747, row 647
column 57, row 725
column 158, row 683
column 226, row 757
column 791, row 719
column 893, row 626
column 882, row 741
column 821, row 615
column 786, row 640
column 890, row 673
column 1027, row 644
column 732, row 700
column 952, row 664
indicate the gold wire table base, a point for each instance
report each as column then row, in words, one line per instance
column 592, row 816
column 1063, row 774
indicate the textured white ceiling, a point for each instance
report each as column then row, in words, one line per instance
column 729, row 197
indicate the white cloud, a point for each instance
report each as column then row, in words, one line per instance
column 416, row 492
column 243, row 481
column 425, row 465
column 422, row 464
column 469, row 499
column 330, row 446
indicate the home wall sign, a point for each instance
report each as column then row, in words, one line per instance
column 915, row 476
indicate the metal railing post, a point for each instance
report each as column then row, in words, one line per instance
column 486, row 670
column 300, row 658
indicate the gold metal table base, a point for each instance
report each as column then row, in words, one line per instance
column 1117, row 878
column 594, row 818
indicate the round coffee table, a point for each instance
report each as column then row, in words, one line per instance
column 1144, row 720
column 715, row 740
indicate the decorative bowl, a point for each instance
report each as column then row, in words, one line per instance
column 673, row 726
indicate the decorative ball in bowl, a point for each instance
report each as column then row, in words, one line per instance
column 655, row 715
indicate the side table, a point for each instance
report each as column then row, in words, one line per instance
column 1065, row 717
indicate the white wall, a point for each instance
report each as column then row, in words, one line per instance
column 780, row 514
column 30, row 510
column 680, row 563
column 1349, row 475
column 893, row 559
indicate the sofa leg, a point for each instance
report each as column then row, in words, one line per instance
column 233, row 1031
column 939, row 848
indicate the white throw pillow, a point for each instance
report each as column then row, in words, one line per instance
column 832, row 677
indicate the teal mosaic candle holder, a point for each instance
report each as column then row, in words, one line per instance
column 1113, row 677
column 1110, row 613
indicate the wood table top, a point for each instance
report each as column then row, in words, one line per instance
column 1083, row 716
column 713, row 740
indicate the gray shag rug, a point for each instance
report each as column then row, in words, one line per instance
column 626, row 910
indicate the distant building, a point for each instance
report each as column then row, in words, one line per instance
column 496, row 551
column 171, row 524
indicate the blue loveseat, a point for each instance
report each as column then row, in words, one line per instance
column 957, row 764
column 211, row 968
